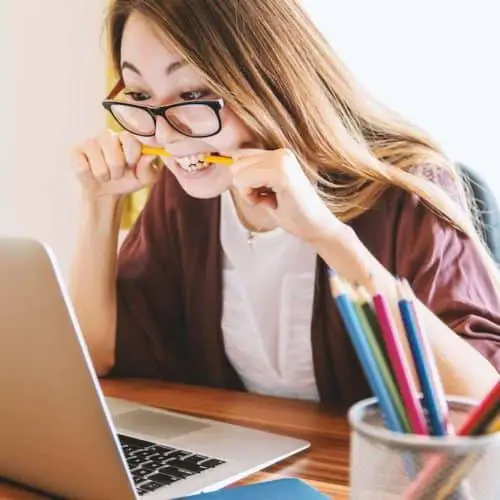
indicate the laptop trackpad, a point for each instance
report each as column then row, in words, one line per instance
column 156, row 425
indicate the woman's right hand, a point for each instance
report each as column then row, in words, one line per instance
column 112, row 164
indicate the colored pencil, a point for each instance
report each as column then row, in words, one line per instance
column 441, row 477
column 369, row 310
column 494, row 427
column 483, row 415
column 377, row 342
column 379, row 357
column 434, row 398
column 451, row 489
column 399, row 364
column 363, row 352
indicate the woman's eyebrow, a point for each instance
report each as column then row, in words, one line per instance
column 131, row 67
column 171, row 68
column 175, row 66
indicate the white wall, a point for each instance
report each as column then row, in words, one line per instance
column 51, row 83
column 435, row 61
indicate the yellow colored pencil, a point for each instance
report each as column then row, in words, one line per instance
column 494, row 427
column 455, row 476
column 220, row 160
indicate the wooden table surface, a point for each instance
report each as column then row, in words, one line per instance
column 325, row 465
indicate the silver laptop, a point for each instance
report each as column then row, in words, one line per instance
column 59, row 434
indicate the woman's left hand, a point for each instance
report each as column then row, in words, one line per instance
column 288, row 193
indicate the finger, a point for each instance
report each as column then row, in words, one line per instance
column 263, row 198
column 239, row 154
column 146, row 172
column 255, row 174
column 258, row 185
column 131, row 148
column 244, row 163
column 82, row 168
column 113, row 153
column 95, row 157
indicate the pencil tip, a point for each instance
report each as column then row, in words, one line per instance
column 408, row 289
column 337, row 287
column 364, row 294
column 399, row 288
column 404, row 289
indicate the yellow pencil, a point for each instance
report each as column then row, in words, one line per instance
column 221, row 160
column 149, row 150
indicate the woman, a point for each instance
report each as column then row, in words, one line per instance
column 223, row 279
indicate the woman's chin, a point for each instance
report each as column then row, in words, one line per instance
column 209, row 182
column 201, row 192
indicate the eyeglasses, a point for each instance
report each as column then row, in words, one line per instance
column 198, row 119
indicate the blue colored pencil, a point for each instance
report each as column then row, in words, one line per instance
column 364, row 354
column 434, row 398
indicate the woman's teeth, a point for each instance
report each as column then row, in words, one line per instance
column 193, row 163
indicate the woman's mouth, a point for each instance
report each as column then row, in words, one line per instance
column 192, row 163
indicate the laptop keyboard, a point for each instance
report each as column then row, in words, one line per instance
column 153, row 466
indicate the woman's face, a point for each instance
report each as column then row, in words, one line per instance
column 156, row 75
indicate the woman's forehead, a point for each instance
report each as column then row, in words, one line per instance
column 143, row 43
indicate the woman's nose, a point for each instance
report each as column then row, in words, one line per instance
column 164, row 133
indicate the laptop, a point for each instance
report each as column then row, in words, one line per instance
column 59, row 434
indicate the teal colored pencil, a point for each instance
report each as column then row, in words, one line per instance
column 380, row 359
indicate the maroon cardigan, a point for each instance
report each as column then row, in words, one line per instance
column 169, row 290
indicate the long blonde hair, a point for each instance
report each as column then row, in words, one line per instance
column 274, row 69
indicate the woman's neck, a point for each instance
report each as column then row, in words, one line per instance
column 255, row 218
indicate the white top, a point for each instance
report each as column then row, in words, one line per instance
column 268, row 290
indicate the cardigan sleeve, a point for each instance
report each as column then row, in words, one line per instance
column 448, row 274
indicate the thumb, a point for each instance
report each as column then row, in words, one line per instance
column 146, row 170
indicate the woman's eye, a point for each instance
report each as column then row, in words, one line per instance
column 194, row 95
column 138, row 96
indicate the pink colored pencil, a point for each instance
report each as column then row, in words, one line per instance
column 402, row 372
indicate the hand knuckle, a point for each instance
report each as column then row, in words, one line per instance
column 116, row 169
column 102, row 176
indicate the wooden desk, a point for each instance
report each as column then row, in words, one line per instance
column 325, row 466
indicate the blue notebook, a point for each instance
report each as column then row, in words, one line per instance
column 279, row 489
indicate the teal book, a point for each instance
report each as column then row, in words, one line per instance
column 279, row 489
